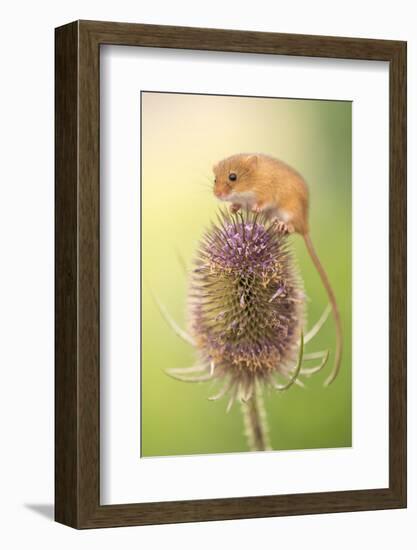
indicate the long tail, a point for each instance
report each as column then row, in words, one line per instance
column 333, row 303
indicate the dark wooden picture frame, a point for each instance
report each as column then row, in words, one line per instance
column 77, row 370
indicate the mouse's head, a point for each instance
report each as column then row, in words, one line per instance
column 233, row 176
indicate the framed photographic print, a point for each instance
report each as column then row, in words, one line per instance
column 230, row 274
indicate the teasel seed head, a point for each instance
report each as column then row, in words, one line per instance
column 246, row 302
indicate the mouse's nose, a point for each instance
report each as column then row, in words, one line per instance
column 221, row 194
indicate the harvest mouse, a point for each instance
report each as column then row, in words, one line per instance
column 262, row 183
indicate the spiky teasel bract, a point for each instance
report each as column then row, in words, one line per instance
column 246, row 309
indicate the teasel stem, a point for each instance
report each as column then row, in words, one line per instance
column 255, row 422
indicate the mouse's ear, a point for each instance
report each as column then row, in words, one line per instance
column 251, row 161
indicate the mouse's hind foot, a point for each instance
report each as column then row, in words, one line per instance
column 282, row 227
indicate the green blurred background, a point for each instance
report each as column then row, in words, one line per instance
column 182, row 137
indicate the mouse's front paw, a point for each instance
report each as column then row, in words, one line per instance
column 257, row 208
column 234, row 208
column 282, row 227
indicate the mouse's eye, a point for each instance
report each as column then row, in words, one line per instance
column 232, row 176
column 215, row 180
